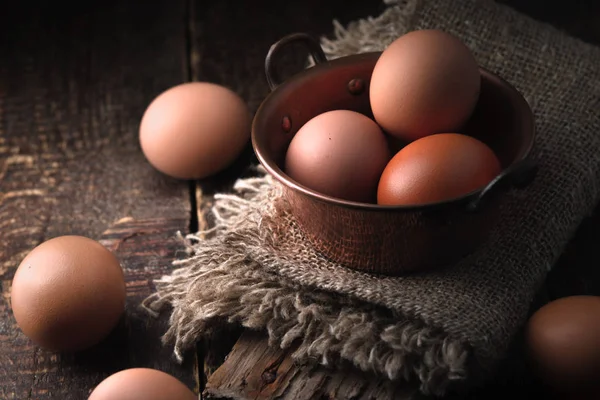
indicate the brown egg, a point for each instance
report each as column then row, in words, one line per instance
column 68, row 293
column 563, row 340
column 437, row 168
column 142, row 384
column 194, row 130
column 425, row 82
column 339, row 153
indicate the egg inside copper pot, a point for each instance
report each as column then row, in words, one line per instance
column 388, row 239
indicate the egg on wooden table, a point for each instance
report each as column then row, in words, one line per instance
column 425, row 82
column 339, row 153
column 194, row 130
column 563, row 343
column 142, row 384
column 437, row 168
column 68, row 293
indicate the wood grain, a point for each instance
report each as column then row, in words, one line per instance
column 235, row 55
column 74, row 83
column 257, row 371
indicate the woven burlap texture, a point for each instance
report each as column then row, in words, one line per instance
column 255, row 268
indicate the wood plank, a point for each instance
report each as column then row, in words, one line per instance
column 74, row 82
column 253, row 370
column 232, row 38
column 229, row 42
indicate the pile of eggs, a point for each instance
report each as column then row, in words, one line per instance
column 423, row 90
column 69, row 292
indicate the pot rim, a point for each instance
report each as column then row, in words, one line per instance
column 526, row 121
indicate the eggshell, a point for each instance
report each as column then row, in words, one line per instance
column 142, row 384
column 68, row 293
column 194, row 130
column 563, row 341
column 339, row 153
column 437, row 168
column 425, row 82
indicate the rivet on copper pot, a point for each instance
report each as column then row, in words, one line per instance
column 356, row 86
column 286, row 124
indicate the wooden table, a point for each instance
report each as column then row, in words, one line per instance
column 74, row 82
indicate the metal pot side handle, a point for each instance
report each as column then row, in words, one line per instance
column 519, row 175
column 312, row 44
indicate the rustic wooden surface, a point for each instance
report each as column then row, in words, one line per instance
column 73, row 85
column 255, row 371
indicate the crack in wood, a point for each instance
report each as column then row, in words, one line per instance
column 34, row 375
column 269, row 374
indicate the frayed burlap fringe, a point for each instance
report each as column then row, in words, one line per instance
column 222, row 279
column 369, row 34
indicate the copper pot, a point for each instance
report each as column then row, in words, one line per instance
column 388, row 239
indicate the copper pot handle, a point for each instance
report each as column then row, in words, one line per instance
column 313, row 46
column 519, row 175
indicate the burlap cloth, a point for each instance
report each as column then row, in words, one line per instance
column 255, row 269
